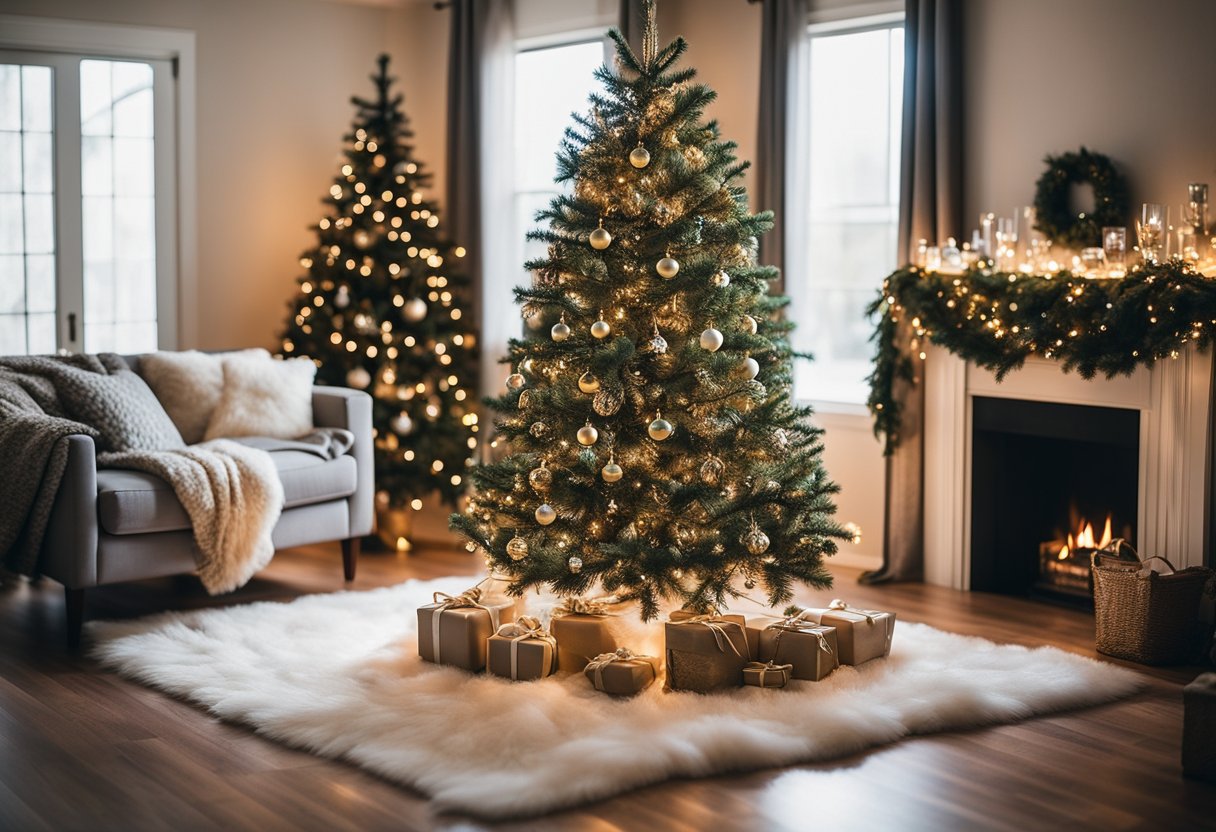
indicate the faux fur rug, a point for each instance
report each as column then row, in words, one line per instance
column 339, row 675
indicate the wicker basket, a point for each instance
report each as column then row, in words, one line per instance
column 1151, row 618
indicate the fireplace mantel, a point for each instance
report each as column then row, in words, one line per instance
column 1174, row 398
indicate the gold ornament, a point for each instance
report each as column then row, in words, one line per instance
column 576, row 564
column 601, row 329
column 358, row 378
column 546, row 515
column 711, row 339
column 612, row 472
column 517, row 548
column 402, row 424
column 588, row 383
column 749, row 325
column 660, row 428
column 540, row 478
column 414, row 310
column 539, row 430
column 588, row 435
column 721, row 280
column 639, row 157
column 608, row 401
column 515, row 381
column 362, row 239
column 755, row 539
column 600, row 239
column 749, row 368
column 667, row 267
column 560, row 331
column 712, row 470
column 525, row 399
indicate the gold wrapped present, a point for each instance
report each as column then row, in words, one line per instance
column 585, row 628
column 706, row 654
column 861, row 635
column 454, row 630
column 522, row 651
column 811, row 648
column 767, row 674
column 621, row 672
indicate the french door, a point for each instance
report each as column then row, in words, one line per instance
column 88, row 204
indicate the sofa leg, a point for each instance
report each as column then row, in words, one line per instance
column 74, row 604
column 350, row 556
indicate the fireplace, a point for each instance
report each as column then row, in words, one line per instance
column 1050, row 483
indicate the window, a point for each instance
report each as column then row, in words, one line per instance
column 87, row 204
column 854, row 116
column 551, row 83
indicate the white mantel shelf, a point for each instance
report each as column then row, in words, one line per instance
column 1174, row 399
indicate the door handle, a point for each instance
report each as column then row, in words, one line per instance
column 72, row 327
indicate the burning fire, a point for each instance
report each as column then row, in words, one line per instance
column 1085, row 539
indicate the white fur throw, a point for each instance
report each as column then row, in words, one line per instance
column 188, row 385
column 264, row 397
column 339, row 675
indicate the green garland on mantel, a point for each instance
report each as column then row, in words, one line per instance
column 998, row 319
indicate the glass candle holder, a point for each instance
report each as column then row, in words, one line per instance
column 1150, row 231
column 1114, row 246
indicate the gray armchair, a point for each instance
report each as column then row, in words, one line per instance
column 111, row 525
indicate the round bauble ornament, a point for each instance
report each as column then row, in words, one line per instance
column 600, row 239
column 525, row 400
column 749, row 325
column 667, row 267
column 755, row 540
column 517, row 548
column 748, row 368
column 515, row 381
column 588, row 383
column 342, row 297
column 711, row 471
column 711, row 339
column 576, row 564
column 362, row 238
column 402, row 424
column 539, row 430
column 749, row 584
column 612, row 472
column 660, row 429
column 546, row 515
column 414, row 310
column 658, row 343
column 560, row 331
column 639, row 157
column 601, row 329
column 540, row 478
column 721, row 280
column 588, row 435
column 358, row 378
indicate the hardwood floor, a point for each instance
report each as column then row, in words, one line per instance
column 81, row 749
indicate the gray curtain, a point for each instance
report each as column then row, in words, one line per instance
column 930, row 208
column 782, row 37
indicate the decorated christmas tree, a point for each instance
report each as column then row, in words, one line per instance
column 655, row 450
column 383, row 304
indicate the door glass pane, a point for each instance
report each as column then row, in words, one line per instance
column 27, row 211
column 119, row 208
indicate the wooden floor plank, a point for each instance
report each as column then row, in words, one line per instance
column 81, row 748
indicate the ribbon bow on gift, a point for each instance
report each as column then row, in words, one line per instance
column 621, row 654
column 471, row 597
column 587, row 606
column 764, row 668
column 798, row 624
column 523, row 628
column 840, row 606
column 716, row 627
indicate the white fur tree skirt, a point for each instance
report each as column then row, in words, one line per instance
column 339, row 675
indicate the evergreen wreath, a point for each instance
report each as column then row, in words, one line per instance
column 1054, row 215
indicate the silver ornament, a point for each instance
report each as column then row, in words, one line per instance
column 658, row 343
column 576, row 564
column 546, row 515
column 601, row 329
column 607, row 401
column 588, row 435
column 560, row 331
column 358, row 378
column 612, row 472
column 660, row 429
column 517, row 548
column 755, row 540
column 667, row 267
column 721, row 280
column 402, row 424
column 711, row 339
column 515, row 381
column 639, row 157
column 414, row 310
column 749, row 325
column 600, row 239
column 749, row 368
column 711, row 471
column 540, row 478
column 588, row 383
column 539, row 430
column 342, row 297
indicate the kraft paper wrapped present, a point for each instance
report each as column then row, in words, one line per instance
column 811, row 648
column 861, row 635
column 522, row 651
column 454, row 630
column 705, row 654
column 767, row 674
column 622, row 672
column 585, row 628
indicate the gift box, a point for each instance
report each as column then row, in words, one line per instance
column 861, row 635
column 811, row 648
column 454, row 630
column 767, row 674
column 522, row 651
column 706, row 654
column 586, row 628
column 621, row 672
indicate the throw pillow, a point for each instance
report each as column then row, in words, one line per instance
column 188, row 385
column 120, row 406
column 264, row 397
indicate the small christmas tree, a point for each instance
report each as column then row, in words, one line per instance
column 656, row 450
column 383, row 308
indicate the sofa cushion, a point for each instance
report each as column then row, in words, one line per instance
column 132, row 502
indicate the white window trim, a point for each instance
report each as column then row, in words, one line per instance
column 39, row 34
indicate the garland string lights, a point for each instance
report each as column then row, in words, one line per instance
column 998, row 319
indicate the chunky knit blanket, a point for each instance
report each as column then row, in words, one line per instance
column 230, row 491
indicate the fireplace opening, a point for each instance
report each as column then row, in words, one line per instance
column 1050, row 483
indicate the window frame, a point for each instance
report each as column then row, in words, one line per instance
column 63, row 44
